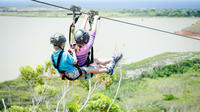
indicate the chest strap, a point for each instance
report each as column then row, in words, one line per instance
column 63, row 73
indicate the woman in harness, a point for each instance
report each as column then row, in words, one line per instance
column 83, row 44
column 66, row 65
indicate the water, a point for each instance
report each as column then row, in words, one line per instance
column 25, row 40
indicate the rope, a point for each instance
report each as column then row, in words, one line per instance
column 124, row 22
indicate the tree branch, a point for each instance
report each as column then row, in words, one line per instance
column 95, row 86
column 117, row 90
column 64, row 93
column 88, row 97
column 4, row 105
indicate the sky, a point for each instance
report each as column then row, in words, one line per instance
column 110, row 3
column 113, row 0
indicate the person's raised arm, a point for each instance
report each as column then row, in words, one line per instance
column 74, row 56
column 94, row 26
column 83, row 26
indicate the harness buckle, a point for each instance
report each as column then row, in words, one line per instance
column 63, row 76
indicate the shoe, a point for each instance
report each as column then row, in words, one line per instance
column 117, row 58
column 114, row 63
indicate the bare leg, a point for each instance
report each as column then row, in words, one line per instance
column 102, row 62
column 97, row 70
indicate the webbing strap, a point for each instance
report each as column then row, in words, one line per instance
column 63, row 72
column 92, row 55
column 92, row 59
column 70, row 36
column 58, row 61
column 71, row 31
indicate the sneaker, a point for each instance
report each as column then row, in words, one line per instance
column 115, row 61
column 117, row 58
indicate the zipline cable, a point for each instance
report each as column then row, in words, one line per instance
column 121, row 21
column 150, row 28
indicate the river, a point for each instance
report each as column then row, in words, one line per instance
column 25, row 40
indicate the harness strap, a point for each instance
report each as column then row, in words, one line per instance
column 92, row 59
column 72, row 28
column 63, row 75
column 58, row 61
column 92, row 55
column 71, row 34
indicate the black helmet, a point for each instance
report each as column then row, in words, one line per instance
column 57, row 39
column 81, row 36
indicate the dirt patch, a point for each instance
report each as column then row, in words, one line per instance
column 198, row 22
column 186, row 33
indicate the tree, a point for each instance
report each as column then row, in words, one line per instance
column 39, row 82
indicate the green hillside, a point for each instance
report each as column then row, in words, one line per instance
column 172, row 85
column 163, row 59
column 133, row 70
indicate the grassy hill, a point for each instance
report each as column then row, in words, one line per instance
column 133, row 70
column 174, row 87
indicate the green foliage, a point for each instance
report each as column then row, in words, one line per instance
column 29, row 75
column 177, row 68
column 49, row 68
column 161, row 58
column 100, row 103
column 73, row 107
column 139, row 95
column 169, row 97
column 151, row 109
column 162, row 12
column 108, row 13
column 48, row 90
column 100, row 78
column 16, row 109
column 84, row 84
column 14, row 92
column 107, row 78
column 23, row 109
column 40, row 69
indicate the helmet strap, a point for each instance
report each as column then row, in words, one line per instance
column 61, row 47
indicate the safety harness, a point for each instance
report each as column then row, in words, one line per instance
column 63, row 73
column 76, row 14
column 90, row 59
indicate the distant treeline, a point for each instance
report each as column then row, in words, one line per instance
column 53, row 12
column 162, row 12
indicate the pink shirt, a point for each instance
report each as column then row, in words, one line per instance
column 82, row 54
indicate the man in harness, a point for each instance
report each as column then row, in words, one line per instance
column 66, row 65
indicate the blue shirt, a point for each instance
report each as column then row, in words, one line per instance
column 66, row 61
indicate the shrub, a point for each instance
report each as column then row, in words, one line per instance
column 177, row 68
column 100, row 103
column 73, row 107
column 169, row 97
